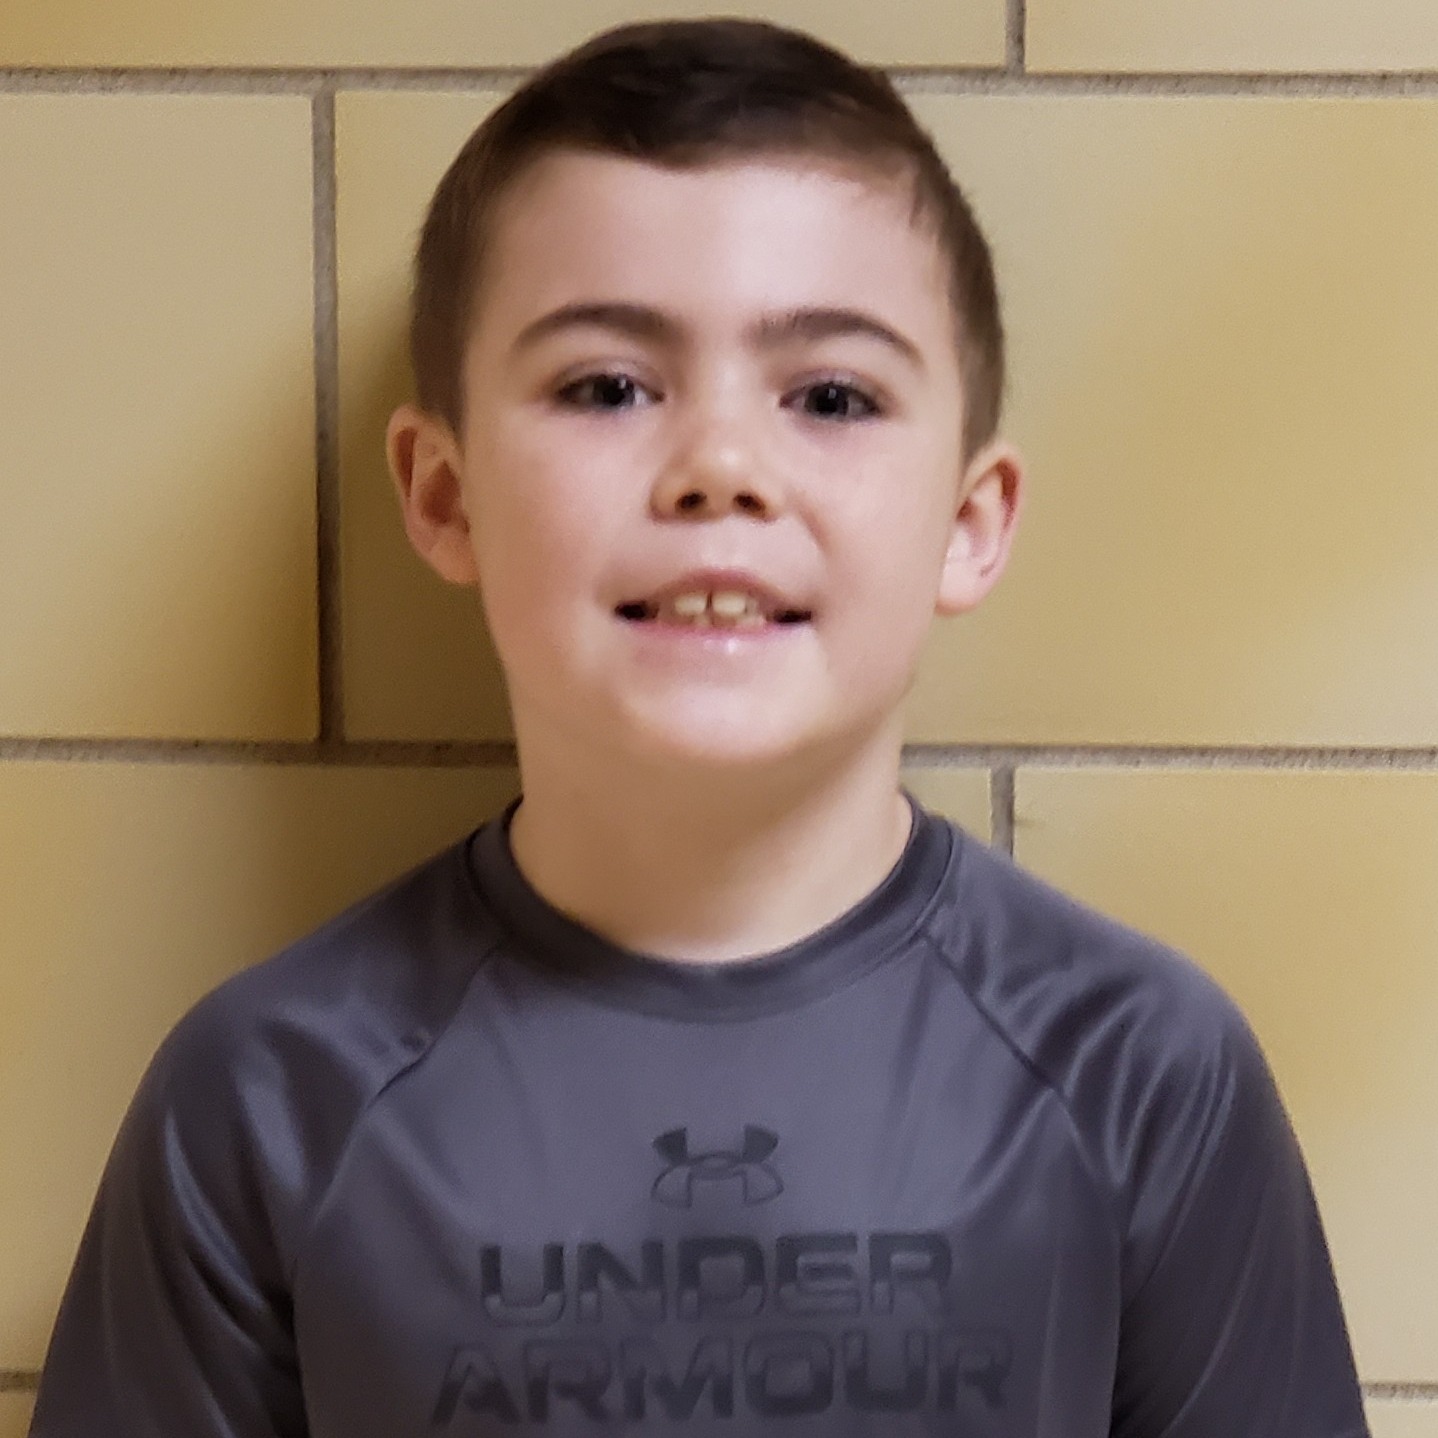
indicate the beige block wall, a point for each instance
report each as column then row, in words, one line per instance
column 1203, row 698
column 15, row 1414
column 1250, row 36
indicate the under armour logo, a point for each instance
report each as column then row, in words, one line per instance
column 758, row 1181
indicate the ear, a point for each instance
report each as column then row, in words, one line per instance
column 990, row 499
column 424, row 462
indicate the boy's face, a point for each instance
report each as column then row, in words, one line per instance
column 606, row 461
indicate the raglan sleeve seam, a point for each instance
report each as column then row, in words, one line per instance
column 1113, row 1204
column 421, row 1044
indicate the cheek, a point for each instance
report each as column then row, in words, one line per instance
column 546, row 493
column 891, row 589
column 538, row 546
column 895, row 550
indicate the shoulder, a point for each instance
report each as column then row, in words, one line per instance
column 254, row 1090
column 1227, row 1313
column 1046, row 967
column 373, row 980
column 1130, row 1033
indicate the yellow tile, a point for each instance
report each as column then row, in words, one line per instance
column 1310, row 897
column 1403, row 1419
column 448, row 33
column 1225, row 352
column 418, row 663
column 959, row 794
column 157, row 568
column 130, row 890
column 15, row 1414
column 1232, row 35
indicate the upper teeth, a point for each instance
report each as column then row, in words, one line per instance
column 700, row 606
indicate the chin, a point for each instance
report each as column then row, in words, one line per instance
column 719, row 747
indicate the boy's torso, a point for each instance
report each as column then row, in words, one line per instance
column 470, row 1170
column 834, row 1206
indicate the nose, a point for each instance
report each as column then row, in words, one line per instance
column 716, row 469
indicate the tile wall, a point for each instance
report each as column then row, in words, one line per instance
column 1204, row 698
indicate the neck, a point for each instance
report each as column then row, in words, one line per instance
column 708, row 867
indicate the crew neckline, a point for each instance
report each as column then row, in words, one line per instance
column 844, row 949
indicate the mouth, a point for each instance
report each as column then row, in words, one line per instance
column 723, row 609
column 691, row 604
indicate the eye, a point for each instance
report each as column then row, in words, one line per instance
column 830, row 399
column 836, row 399
column 605, row 391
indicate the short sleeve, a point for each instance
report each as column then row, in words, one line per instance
column 175, row 1320
column 1231, row 1322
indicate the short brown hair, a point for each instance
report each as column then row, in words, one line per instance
column 685, row 93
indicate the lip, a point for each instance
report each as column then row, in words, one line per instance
column 772, row 600
column 713, row 639
column 716, row 655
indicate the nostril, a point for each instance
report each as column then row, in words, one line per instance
column 692, row 500
column 749, row 502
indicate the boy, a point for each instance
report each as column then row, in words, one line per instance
column 717, row 1086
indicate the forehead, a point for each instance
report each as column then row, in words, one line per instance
column 712, row 243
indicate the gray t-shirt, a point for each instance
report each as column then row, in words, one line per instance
column 972, row 1160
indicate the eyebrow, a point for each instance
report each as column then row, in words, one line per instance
column 769, row 331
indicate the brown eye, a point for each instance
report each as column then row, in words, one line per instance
column 832, row 399
column 600, row 391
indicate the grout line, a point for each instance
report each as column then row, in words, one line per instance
column 1001, row 808
column 452, row 752
column 1237, row 85
column 1402, row 1392
column 327, row 467
column 1172, row 757
column 1016, row 37
column 221, row 80
column 353, row 754
column 27, row 1380
column 950, row 79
